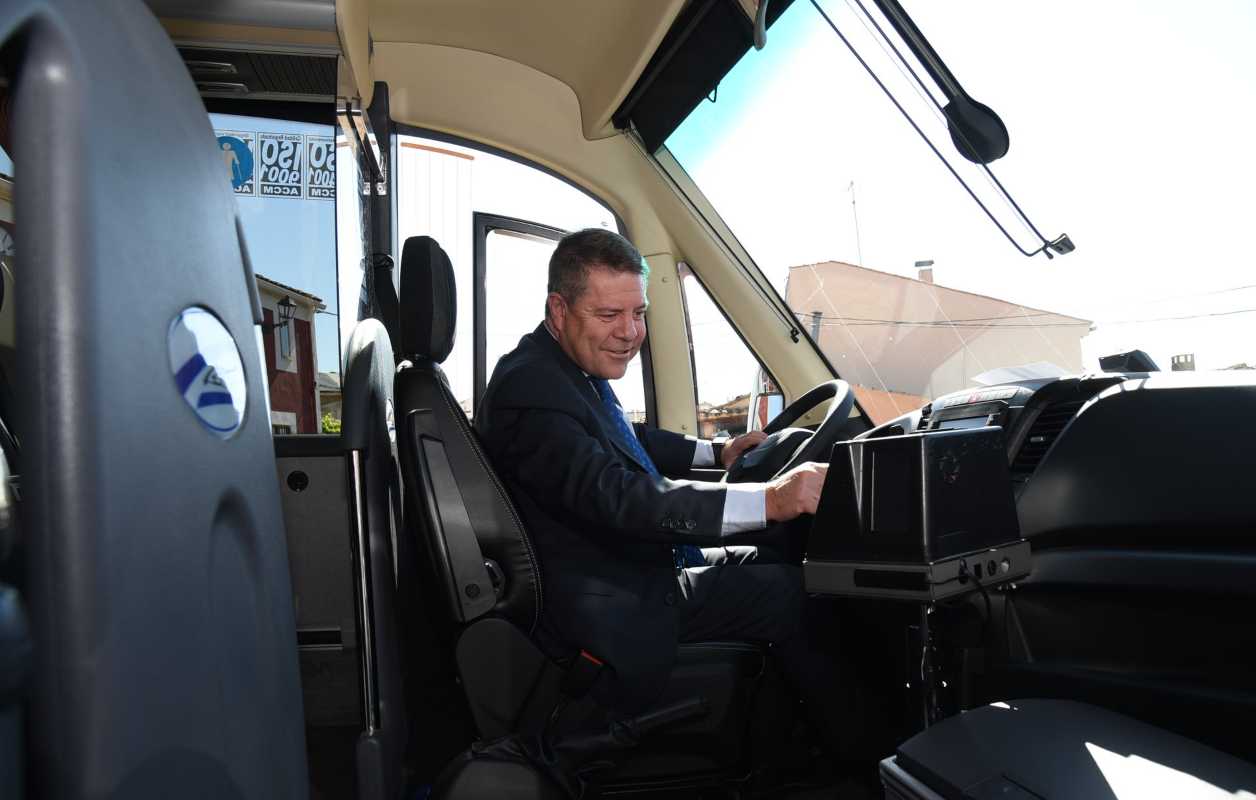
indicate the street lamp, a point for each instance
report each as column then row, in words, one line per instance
column 287, row 309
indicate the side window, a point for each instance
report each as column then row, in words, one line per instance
column 499, row 220
column 283, row 175
column 734, row 392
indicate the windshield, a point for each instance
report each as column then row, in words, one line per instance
column 1130, row 127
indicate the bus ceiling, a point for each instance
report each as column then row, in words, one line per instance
column 263, row 50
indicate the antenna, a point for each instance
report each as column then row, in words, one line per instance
column 854, row 212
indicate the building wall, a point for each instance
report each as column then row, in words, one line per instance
column 293, row 392
column 929, row 357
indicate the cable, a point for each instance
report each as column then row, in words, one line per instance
column 964, row 575
column 933, row 147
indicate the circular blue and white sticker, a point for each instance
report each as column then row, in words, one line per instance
column 238, row 159
column 207, row 370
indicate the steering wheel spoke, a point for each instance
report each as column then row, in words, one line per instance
column 816, row 447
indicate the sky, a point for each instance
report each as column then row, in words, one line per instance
column 293, row 241
column 1130, row 127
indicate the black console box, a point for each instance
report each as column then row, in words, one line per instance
column 901, row 516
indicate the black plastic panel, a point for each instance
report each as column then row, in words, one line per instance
column 707, row 40
column 159, row 588
column 1158, row 459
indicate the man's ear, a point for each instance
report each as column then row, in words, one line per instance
column 555, row 309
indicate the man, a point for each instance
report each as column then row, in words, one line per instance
column 618, row 540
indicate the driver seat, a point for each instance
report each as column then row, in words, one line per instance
column 489, row 583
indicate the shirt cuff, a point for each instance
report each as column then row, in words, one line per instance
column 703, row 453
column 745, row 508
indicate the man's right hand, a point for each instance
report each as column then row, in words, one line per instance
column 796, row 492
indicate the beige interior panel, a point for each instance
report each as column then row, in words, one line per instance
column 353, row 27
column 521, row 110
column 597, row 48
column 669, row 355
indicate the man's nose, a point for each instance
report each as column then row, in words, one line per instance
column 627, row 328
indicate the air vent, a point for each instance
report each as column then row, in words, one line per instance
column 1042, row 434
column 274, row 75
column 924, row 417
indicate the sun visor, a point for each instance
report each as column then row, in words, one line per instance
column 706, row 41
column 353, row 28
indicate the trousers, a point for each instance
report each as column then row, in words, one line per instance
column 737, row 596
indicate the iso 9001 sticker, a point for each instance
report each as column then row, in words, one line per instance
column 282, row 165
column 320, row 173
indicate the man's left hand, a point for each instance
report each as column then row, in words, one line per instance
column 739, row 445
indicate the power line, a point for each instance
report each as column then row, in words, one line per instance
column 1186, row 316
column 942, row 324
column 981, row 323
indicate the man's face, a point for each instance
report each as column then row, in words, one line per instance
column 605, row 326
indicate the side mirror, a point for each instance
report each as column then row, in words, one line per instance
column 1133, row 361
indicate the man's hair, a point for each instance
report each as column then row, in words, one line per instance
column 578, row 252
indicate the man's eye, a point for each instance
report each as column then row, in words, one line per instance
column 607, row 317
column 638, row 315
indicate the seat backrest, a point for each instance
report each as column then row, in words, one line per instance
column 367, row 436
column 161, row 605
column 478, row 544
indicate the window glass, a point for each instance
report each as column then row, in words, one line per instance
column 440, row 186
column 727, row 376
column 517, row 266
column 904, row 283
column 282, row 173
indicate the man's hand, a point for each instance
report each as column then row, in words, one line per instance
column 796, row 492
column 739, row 445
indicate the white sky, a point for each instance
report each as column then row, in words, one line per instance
column 1130, row 125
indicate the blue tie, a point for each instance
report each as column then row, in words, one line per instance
column 684, row 555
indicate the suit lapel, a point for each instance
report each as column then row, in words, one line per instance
column 585, row 389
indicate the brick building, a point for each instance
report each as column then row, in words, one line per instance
column 291, row 364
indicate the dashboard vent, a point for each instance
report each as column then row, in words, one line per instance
column 1042, row 434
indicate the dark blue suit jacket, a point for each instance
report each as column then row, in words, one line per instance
column 602, row 525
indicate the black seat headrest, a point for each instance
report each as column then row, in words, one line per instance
column 429, row 300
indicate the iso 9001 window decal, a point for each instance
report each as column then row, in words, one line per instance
column 291, row 165
column 320, row 170
column 281, row 172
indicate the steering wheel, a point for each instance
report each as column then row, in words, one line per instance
column 801, row 445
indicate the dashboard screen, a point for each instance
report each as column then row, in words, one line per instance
column 962, row 423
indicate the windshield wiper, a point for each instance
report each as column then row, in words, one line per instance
column 978, row 133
